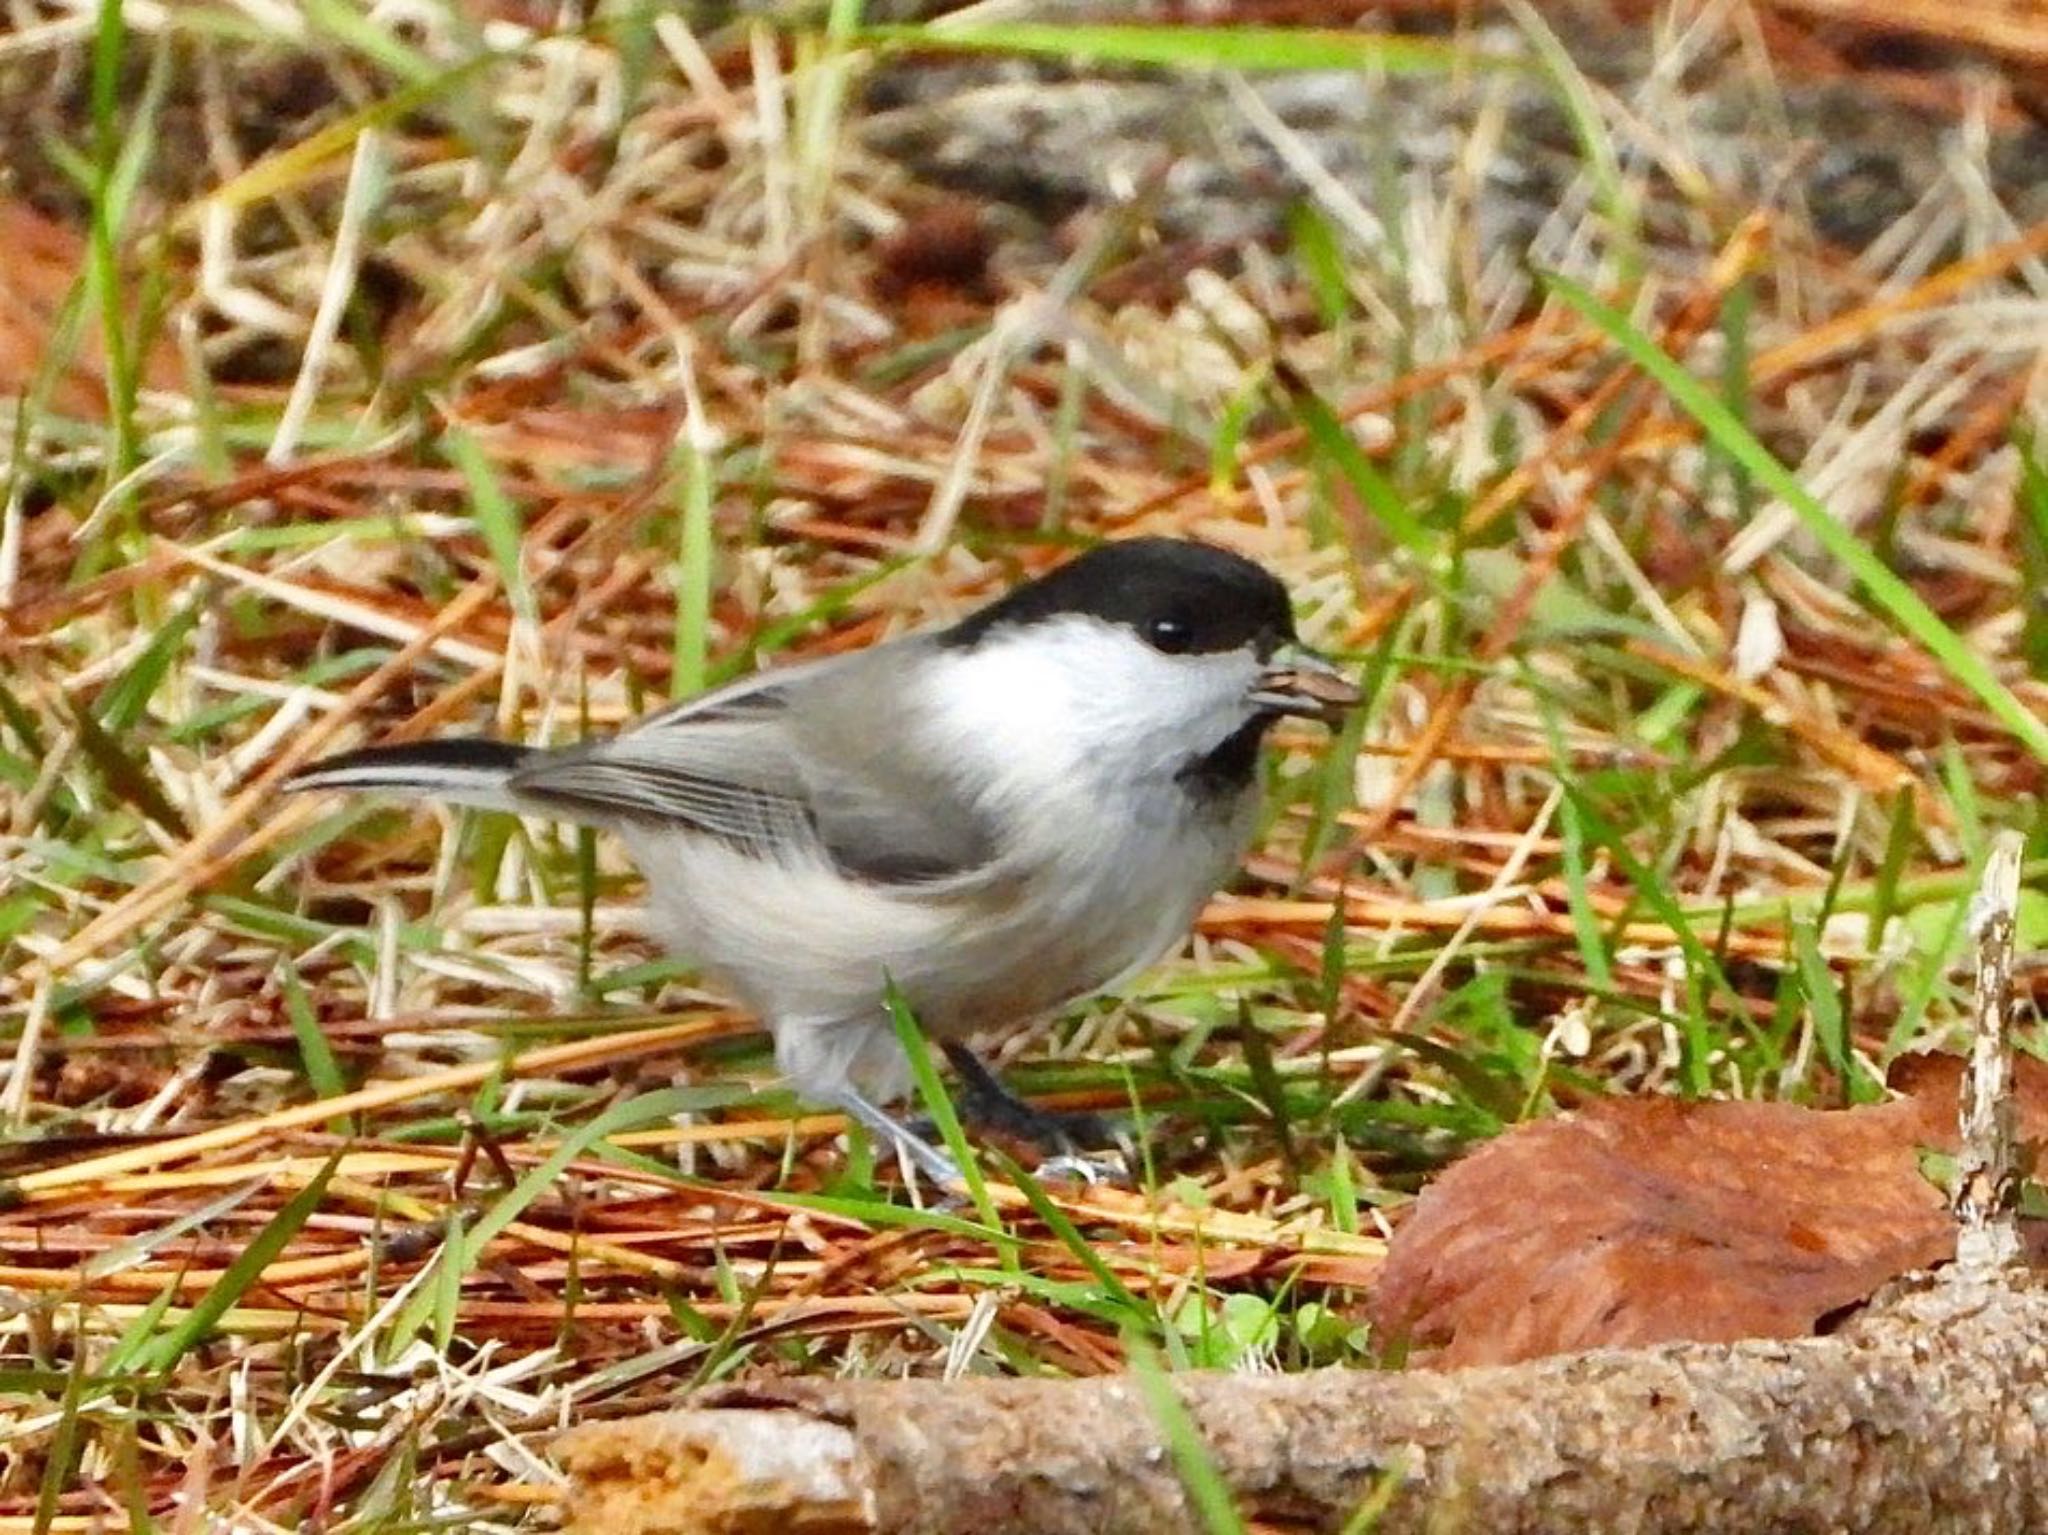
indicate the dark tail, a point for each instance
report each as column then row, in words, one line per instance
column 472, row 771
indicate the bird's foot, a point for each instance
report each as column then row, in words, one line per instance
column 1082, row 1147
column 920, row 1153
column 1103, row 1168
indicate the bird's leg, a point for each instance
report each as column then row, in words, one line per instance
column 989, row 1104
column 824, row 1057
column 878, row 1122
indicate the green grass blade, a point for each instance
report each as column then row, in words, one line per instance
column 1586, row 929
column 1612, row 194
column 301, row 161
column 383, row 48
column 692, row 653
column 138, row 1335
column 1700, row 963
column 497, row 517
column 1210, row 1495
column 109, row 42
column 126, row 700
column 1830, row 1019
column 1228, row 440
column 2033, row 541
column 1332, row 440
column 939, row 1104
column 1373, row 1506
column 834, row 604
column 1070, row 1235
column 1321, row 254
column 447, row 1291
column 1578, row 897
column 126, row 774
column 66, row 1441
column 1900, row 837
column 1893, row 597
column 239, row 1275
column 1335, row 788
column 316, row 1055
column 634, row 1112
column 1343, row 1188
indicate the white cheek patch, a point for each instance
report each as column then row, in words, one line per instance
column 1070, row 702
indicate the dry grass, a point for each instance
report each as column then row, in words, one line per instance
column 538, row 374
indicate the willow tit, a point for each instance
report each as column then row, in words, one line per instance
column 999, row 818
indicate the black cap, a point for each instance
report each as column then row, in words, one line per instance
column 1177, row 596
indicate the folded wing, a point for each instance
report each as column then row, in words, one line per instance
column 790, row 765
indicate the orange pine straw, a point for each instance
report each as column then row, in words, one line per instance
column 1775, row 364
column 377, row 1095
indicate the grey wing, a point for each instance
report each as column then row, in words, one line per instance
column 788, row 764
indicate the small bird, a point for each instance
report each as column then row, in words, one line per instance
column 997, row 818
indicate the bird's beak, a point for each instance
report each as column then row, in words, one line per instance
column 1298, row 681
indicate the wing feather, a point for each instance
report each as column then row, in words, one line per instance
column 782, row 765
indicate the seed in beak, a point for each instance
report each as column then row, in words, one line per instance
column 1300, row 682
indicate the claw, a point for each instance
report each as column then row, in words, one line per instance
column 1093, row 1171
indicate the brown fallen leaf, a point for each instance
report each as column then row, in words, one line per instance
column 44, row 259
column 1650, row 1220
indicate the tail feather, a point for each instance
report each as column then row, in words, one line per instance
column 470, row 771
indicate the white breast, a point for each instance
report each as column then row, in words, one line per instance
column 1074, row 750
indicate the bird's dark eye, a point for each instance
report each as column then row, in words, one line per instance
column 1174, row 636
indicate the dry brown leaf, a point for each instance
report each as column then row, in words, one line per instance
column 1644, row 1221
column 44, row 259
